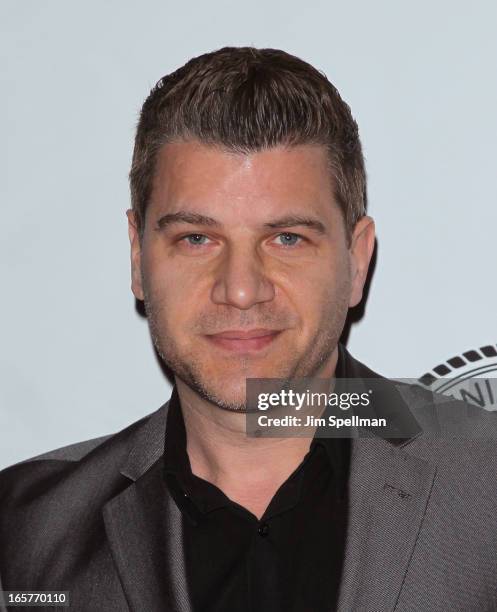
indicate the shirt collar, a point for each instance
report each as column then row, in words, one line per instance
column 337, row 449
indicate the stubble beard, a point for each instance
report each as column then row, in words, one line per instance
column 188, row 366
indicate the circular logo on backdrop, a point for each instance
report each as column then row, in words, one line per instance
column 470, row 376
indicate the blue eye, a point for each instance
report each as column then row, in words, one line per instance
column 197, row 239
column 289, row 239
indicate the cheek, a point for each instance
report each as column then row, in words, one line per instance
column 173, row 295
column 157, row 282
column 318, row 282
column 322, row 295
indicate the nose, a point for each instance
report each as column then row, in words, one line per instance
column 241, row 280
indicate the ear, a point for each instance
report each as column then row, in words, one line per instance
column 136, row 275
column 360, row 252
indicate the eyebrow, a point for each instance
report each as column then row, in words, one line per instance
column 185, row 217
column 193, row 218
column 294, row 220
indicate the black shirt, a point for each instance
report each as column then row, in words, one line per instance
column 289, row 560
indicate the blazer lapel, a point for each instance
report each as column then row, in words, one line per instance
column 388, row 494
column 144, row 528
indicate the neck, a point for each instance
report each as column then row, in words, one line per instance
column 248, row 470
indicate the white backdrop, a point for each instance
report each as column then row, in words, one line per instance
column 76, row 359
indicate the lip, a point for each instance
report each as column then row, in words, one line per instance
column 242, row 341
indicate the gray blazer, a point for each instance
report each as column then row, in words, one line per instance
column 97, row 520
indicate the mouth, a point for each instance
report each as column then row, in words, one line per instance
column 238, row 341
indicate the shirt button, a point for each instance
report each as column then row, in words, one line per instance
column 263, row 530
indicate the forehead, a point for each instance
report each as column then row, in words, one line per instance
column 203, row 175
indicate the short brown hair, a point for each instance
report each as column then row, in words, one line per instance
column 246, row 100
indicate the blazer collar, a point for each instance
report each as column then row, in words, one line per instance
column 148, row 444
column 387, row 401
column 145, row 528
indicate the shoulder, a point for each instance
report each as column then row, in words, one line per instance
column 71, row 452
column 446, row 430
column 445, row 416
column 77, row 473
column 53, row 502
column 437, row 414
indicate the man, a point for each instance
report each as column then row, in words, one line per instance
column 249, row 243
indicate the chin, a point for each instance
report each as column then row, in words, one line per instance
column 232, row 402
column 229, row 394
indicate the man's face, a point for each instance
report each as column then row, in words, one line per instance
column 246, row 243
